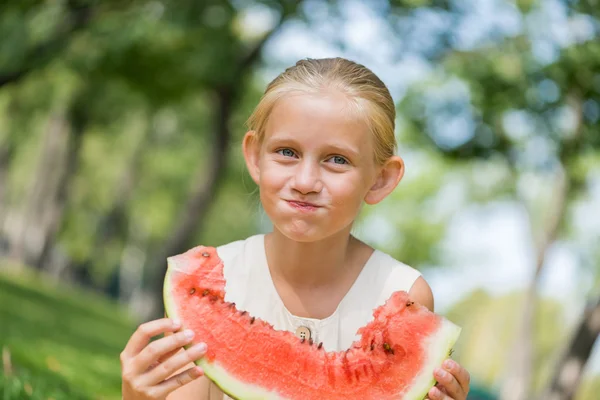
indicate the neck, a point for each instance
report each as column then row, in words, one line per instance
column 309, row 264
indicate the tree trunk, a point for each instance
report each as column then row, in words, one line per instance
column 517, row 384
column 78, row 119
column 116, row 216
column 567, row 375
column 115, row 224
column 131, row 269
column 6, row 154
column 195, row 209
column 27, row 234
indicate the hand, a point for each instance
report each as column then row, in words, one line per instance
column 146, row 369
column 453, row 382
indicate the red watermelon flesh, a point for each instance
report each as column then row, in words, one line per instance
column 393, row 359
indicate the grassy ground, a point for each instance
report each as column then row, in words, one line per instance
column 58, row 343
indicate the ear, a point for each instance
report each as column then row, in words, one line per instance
column 251, row 149
column 387, row 179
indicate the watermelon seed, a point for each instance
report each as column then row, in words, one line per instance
column 205, row 254
column 409, row 303
column 310, row 341
column 388, row 348
column 192, row 290
column 205, row 292
column 320, row 345
column 252, row 320
column 372, row 345
column 231, row 305
column 451, row 352
column 243, row 313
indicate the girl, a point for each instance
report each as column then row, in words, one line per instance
column 321, row 144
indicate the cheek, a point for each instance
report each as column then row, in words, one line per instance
column 348, row 193
column 270, row 176
column 271, row 182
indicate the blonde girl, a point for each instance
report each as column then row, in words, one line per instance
column 320, row 145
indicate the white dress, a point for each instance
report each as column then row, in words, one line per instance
column 249, row 286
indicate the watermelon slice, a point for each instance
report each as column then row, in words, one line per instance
column 248, row 359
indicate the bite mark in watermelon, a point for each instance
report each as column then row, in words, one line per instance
column 248, row 359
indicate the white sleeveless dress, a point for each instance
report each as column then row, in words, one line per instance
column 249, row 286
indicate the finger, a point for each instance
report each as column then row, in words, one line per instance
column 178, row 380
column 436, row 394
column 157, row 349
column 165, row 356
column 141, row 337
column 168, row 355
column 447, row 381
column 439, row 388
column 460, row 373
column 173, row 364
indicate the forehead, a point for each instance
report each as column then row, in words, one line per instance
column 319, row 117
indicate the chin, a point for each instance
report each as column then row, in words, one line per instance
column 301, row 231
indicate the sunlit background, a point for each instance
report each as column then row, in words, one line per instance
column 120, row 129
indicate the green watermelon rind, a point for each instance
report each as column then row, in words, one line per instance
column 440, row 344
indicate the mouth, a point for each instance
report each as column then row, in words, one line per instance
column 303, row 205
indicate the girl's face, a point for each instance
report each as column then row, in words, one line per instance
column 315, row 166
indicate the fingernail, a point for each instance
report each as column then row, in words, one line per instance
column 198, row 371
column 448, row 364
column 200, row 347
column 189, row 333
column 441, row 373
column 176, row 323
column 435, row 392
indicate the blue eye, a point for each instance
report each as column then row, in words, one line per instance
column 286, row 152
column 339, row 160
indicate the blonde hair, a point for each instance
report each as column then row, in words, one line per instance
column 369, row 94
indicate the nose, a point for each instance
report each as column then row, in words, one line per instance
column 307, row 177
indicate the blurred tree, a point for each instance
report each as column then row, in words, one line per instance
column 489, row 324
column 167, row 53
column 26, row 50
column 538, row 119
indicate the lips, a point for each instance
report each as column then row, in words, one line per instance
column 303, row 205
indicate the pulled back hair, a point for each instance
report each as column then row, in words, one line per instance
column 369, row 95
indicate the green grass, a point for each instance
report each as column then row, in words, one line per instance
column 63, row 343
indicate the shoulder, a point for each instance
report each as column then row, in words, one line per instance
column 400, row 276
column 421, row 293
column 228, row 251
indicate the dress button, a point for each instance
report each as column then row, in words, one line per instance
column 303, row 333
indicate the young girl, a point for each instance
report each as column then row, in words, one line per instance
column 321, row 144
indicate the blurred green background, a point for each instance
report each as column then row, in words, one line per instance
column 120, row 129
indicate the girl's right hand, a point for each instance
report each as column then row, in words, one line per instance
column 147, row 368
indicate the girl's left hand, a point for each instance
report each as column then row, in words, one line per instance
column 453, row 382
